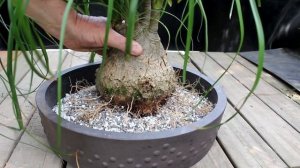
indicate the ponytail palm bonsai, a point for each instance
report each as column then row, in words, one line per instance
column 149, row 79
column 146, row 80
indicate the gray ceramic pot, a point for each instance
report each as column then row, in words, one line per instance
column 176, row 148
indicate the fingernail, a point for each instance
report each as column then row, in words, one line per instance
column 137, row 49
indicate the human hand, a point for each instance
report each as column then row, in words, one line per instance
column 88, row 34
column 83, row 33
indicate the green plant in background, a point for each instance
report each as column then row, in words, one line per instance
column 145, row 79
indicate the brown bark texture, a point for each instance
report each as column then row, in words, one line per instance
column 143, row 82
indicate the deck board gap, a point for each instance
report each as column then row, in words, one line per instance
column 256, row 131
column 26, row 124
column 294, row 91
column 22, row 132
column 243, row 116
column 257, row 96
column 4, row 96
column 18, row 140
column 226, row 153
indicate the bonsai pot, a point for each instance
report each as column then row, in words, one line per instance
column 179, row 147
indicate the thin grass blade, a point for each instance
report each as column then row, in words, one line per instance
column 189, row 37
column 107, row 28
column 10, row 70
column 130, row 26
column 59, row 79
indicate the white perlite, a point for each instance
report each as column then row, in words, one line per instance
column 86, row 108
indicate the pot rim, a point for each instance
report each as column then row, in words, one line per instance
column 46, row 110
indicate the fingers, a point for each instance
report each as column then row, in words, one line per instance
column 118, row 41
column 93, row 39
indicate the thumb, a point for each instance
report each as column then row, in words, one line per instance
column 118, row 41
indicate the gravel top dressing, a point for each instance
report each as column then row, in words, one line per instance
column 87, row 108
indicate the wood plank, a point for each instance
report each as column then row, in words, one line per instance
column 43, row 157
column 83, row 56
column 281, row 86
column 3, row 54
column 39, row 156
column 7, row 117
column 7, row 145
column 284, row 139
column 216, row 156
column 276, row 100
column 244, row 151
column 20, row 73
column 244, row 146
column 3, row 57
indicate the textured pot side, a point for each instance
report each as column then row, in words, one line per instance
column 181, row 147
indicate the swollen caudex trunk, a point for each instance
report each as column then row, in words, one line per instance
column 143, row 82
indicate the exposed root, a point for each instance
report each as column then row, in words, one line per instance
column 93, row 113
column 79, row 85
column 148, row 107
column 89, row 107
column 180, row 109
column 77, row 160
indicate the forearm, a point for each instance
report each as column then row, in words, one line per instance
column 48, row 14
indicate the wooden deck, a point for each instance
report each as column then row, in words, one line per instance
column 265, row 133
